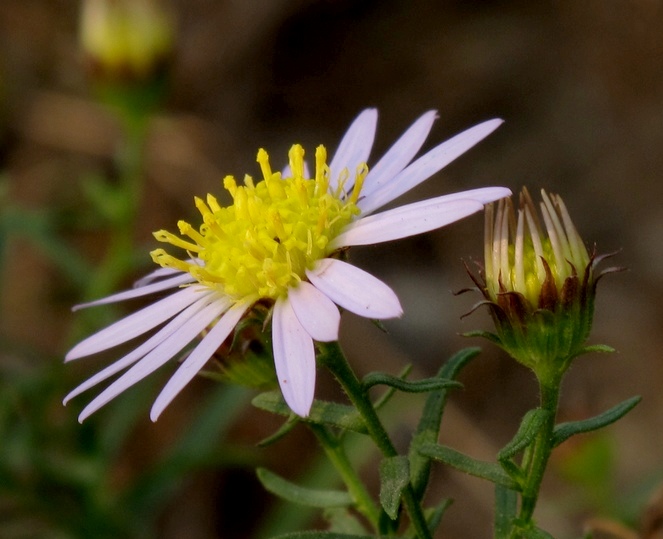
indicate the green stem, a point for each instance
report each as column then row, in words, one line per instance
column 336, row 454
column 333, row 358
column 536, row 458
column 119, row 258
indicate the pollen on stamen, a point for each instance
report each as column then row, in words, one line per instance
column 230, row 185
column 263, row 161
column 296, row 156
column 274, row 230
column 167, row 237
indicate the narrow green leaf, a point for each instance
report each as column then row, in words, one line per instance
column 394, row 477
column 506, row 505
column 529, row 428
column 302, row 495
column 284, row 429
column 387, row 395
column 434, row 515
column 280, row 517
column 564, row 431
column 599, row 348
column 464, row 463
column 492, row 337
column 322, row 412
column 428, row 429
column 323, row 535
column 408, row 386
column 593, row 348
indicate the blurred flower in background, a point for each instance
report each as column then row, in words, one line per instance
column 126, row 40
column 128, row 48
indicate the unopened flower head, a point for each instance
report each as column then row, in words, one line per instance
column 126, row 40
column 279, row 245
column 539, row 281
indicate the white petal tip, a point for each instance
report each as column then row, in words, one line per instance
column 301, row 411
column 156, row 411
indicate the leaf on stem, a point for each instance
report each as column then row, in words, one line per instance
column 322, row 412
column 387, row 395
column 302, row 495
column 394, row 477
column 464, row 463
column 506, row 505
column 284, row 429
column 435, row 514
column 598, row 348
column 529, row 428
column 428, row 429
column 409, row 386
column 564, row 431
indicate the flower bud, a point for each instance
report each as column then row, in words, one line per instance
column 126, row 40
column 539, row 282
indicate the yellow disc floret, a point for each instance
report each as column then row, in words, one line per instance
column 275, row 229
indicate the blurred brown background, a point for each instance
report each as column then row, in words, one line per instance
column 580, row 85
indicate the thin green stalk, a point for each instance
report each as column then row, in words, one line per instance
column 119, row 257
column 335, row 452
column 536, row 458
column 333, row 358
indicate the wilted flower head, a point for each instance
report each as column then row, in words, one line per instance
column 539, row 281
column 280, row 244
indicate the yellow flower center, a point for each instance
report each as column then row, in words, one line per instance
column 275, row 229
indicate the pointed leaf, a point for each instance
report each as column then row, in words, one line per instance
column 492, row 337
column 529, row 428
column 386, row 396
column 464, row 463
column 284, row 429
column 429, row 426
column 434, row 515
column 506, row 505
column 564, row 431
column 302, row 495
column 408, row 386
column 394, row 477
column 595, row 348
column 322, row 412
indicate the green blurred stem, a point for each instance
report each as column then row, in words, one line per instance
column 333, row 358
column 119, row 258
column 335, row 452
column 536, row 457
